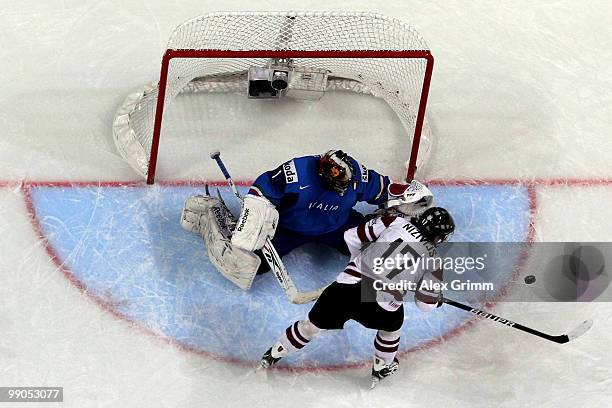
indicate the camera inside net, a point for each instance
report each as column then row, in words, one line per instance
column 270, row 81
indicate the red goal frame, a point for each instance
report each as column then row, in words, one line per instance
column 171, row 54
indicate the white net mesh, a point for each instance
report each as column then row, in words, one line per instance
column 398, row 81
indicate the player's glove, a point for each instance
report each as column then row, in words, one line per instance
column 427, row 300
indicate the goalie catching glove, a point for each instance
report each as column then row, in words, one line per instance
column 210, row 218
column 409, row 199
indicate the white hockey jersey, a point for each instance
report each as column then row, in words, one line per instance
column 395, row 238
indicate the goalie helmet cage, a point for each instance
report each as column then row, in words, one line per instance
column 347, row 51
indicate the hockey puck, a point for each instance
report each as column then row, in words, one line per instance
column 529, row 279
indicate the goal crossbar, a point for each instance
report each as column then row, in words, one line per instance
column 216, row 53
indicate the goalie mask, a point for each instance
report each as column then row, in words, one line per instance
column 408, row 199
column 336, row 170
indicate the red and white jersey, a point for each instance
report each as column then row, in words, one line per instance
column 401, row 239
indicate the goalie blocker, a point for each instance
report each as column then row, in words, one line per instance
column 257, row 222
column 230, row 243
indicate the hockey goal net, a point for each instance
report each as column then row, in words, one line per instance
column 278, row 55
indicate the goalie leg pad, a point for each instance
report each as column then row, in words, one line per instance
column 194, row 209
column 198, row 206
column 235, row 264
column 209, row 217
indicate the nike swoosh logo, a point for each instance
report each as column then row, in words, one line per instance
column 303, row 187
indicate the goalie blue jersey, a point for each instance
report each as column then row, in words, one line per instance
column 305, row 205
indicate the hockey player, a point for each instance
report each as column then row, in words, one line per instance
column 342, row 300
column 314, row 197
column 306, row 199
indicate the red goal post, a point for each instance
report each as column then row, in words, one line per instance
column 324, row 51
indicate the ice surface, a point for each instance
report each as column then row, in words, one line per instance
column 126, row 248
column 520, row 91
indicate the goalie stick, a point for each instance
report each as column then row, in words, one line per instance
column 560, row 339
column 269, row 252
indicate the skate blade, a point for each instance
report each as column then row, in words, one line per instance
column 259, row 372
column 261, row 366
column 375, row 381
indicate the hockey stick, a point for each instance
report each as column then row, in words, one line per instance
column 561, row 339
column 270, row 255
